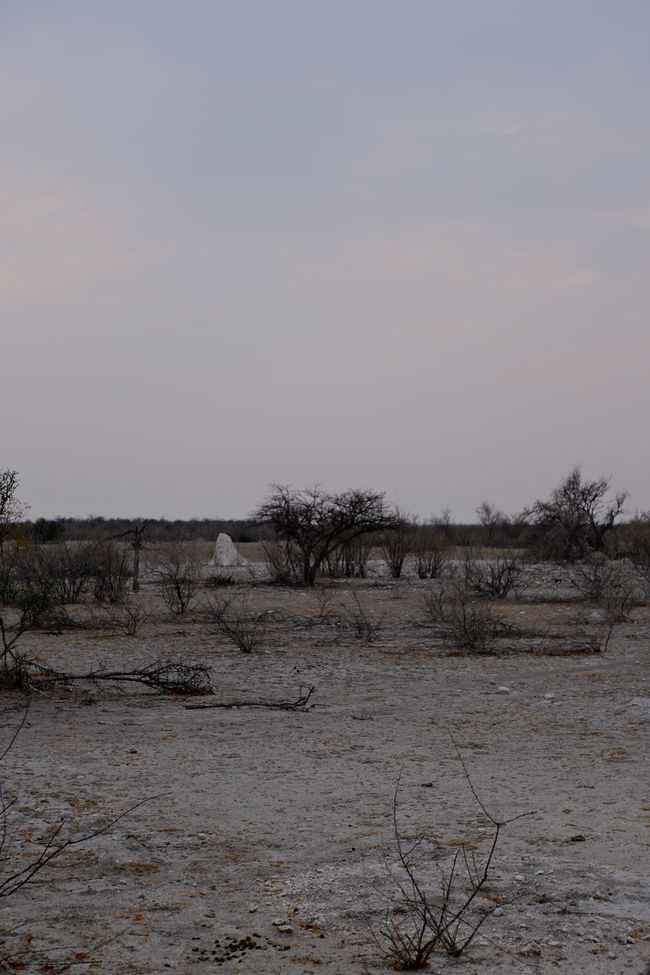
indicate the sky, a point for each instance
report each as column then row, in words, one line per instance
column 394, row 244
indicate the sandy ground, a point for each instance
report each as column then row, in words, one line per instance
column 268, row 844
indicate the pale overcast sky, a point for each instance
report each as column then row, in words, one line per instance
column 399, row 244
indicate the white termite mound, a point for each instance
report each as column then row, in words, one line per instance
column 225, row 553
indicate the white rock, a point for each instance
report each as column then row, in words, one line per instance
column 503, row 690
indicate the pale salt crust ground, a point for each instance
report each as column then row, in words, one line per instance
column 276, row 826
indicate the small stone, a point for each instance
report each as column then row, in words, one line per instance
column 252, row 908
column 549, row 697
column 519, row 877
column 133, row 751
column 503, row 690
column 578, row 838
column 531, row 949
column 498, row 912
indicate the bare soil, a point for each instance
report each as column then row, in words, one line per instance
column 267, row 844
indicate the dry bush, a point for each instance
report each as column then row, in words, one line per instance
column 282, row 561
column 359, row 621
column 66, row 569
column 177, row 567
column 113, row 569
column 431, row 550
column 349, row 560
column 491, row 578
column 324, row 599
column 635, row 543
column 419, row 921
column 28, row 608
column 607, row 583
column 218, row 582
column 236, row 622
column 435, row 599
column 133, row 615
column 397, row 543
column 472, row 624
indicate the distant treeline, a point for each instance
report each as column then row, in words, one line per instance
column 95, row 529
column 504, row 534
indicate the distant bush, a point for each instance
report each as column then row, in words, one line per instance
column 112, row 571
column 177, row 567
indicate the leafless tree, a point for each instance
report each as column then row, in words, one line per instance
column 445, row 523
column 576, row 518
column 491, row 519
column 316, row 522
column 137, row 543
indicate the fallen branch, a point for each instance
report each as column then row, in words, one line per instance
column 168, row 677
column 301, row 704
